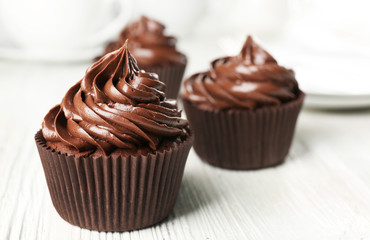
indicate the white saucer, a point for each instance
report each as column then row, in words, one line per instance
column 337, row 102
column 334, row 79
column 331, row 81
column 48, row 56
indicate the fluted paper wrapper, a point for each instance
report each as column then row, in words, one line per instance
column 114, row 194
column 244, row 139
column 171, row 75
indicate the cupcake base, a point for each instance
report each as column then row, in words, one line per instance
column 171, row 75
column 244, row 139
column 114, row 193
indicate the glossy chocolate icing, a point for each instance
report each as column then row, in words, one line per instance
column 249, row 80
column 148, row 44
column 115, row 106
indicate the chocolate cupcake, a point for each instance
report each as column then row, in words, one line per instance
column 154, row 51
column 243, row 110
column 114, row 150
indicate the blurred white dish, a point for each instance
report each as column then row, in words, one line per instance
column 332, row 63
column 335, row 82
column 50, row 56
column 337, row 101
column 331, row 80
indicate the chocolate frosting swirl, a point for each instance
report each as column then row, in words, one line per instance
column 249, row 80
column 148, row 43
column 115, row 106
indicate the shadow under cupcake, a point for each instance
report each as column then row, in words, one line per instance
column 243, row 111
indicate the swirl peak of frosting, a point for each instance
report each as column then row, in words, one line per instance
column 252, row 53
column 250, row 80
column 115, row 106
column 149, row 44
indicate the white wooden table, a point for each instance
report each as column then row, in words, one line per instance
column 322, row 191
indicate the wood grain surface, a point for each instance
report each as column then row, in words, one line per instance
column 322, row 191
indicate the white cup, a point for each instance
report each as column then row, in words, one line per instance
column 48, row 25
column 264, row 18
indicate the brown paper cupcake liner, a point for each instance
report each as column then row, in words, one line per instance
column 114, row 194
column 244, row 139
column 171, row 76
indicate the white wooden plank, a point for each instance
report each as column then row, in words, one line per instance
column 321, row 192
